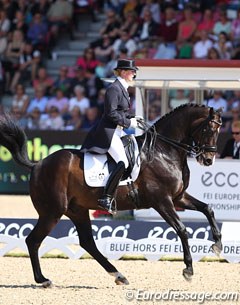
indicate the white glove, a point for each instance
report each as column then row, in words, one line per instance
column 134, row 123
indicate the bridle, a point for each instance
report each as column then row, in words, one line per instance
column 195, row 150
column 205, row 127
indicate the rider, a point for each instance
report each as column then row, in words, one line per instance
column 105, row 136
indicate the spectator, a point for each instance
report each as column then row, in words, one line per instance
column 25, row 6
column 19, row 118
column 10, row 7
column 62, row 81
column 44, row 80
column 179, row 99
column 79, row 100
column 41, row 7
column 223, row 46
column 88, row 60
column 39, row 101
column 154, row 7
column 231, row 149
column 222, row 25
column 59, row 101
column 217, row 101
column 100, row 101
column 201, row 47
column 29, row 63
column 59, row 16
column 207, row 23
column 94, row 84
column 19, row 23
column 124, row 42
column 53, row 120
column 130, row 23
column 4, row 29
column 34, row 117
column 90, row 118
column 147, row 29
column 20, row 101
column 79, row 78
column 213, row 53
column 166, row 48
column 153, row 114
column 37, row 32
column 186, row 32
column 235, row 100
column 104, row 51
column 235, row 116
column 75, row 120
column 235, row 31
column 111, row 27
column 133, row 6
column 13, row 53
column 169, row 27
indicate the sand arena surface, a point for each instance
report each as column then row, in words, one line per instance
column 85, row 282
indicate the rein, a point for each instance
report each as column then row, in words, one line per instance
column 196, row 150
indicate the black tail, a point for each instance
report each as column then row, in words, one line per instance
column 14, row 139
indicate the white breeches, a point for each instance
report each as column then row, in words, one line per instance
column 116, row 150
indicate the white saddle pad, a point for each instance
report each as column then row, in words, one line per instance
column 96, row 169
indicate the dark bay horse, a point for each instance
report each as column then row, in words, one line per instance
column 57, row 185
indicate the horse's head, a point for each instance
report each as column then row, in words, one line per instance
column 205, row 137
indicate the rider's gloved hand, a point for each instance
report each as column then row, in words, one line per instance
column 139, row 117
column 134, row 123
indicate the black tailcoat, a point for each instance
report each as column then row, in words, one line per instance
column 116, row 112
column 228, row 150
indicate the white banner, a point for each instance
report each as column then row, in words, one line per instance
column 217, row 185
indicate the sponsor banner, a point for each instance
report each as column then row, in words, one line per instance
column 217, row 185
column 14, row 178
column 20, row 228
column 115, row 239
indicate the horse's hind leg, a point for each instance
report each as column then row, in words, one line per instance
column 168, row 213
column 84, row 229
column 190, row 203
column 41, row 230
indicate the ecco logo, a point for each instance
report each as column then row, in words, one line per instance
column 220, row 179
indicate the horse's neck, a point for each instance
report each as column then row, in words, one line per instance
column 176, row 129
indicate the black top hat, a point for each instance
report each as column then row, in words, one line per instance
column 126, row 64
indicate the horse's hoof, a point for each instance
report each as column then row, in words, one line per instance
column 121, row 280
column 187, row 274
column 217, row 249
column 47, row 284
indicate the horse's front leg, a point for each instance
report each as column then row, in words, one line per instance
column 191, row 203
column 168, row 213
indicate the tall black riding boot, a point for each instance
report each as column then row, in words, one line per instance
column 106, row 201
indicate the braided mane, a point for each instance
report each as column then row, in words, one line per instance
column 180, row 107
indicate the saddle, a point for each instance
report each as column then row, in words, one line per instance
column 97, row 167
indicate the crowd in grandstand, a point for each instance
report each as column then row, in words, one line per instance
column 29, row 30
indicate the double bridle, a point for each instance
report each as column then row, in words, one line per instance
column 195, row 150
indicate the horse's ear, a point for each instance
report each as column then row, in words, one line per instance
column 211, row 111
column 220, row 110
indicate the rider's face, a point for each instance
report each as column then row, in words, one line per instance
column 128, row 75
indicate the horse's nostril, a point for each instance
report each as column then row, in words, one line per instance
column 208, row 161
